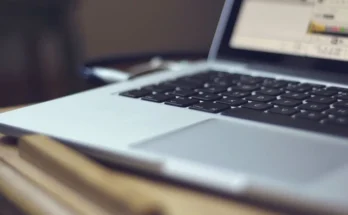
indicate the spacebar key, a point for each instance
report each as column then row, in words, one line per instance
column 282, row 120
column 249, row 114
column 275, row 119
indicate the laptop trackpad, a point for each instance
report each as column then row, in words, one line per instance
column 256, row 150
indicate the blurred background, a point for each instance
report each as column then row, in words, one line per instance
column 130, row 26
column 117, row 27
column 40, row 59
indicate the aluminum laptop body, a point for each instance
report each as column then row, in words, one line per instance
column 263, row 118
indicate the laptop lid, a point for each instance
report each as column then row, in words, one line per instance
column 308, row 34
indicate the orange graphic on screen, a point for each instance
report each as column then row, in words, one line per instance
column 316, row 28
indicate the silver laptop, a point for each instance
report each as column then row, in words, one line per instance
column 265, row 117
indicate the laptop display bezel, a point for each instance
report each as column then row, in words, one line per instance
column 221, row 49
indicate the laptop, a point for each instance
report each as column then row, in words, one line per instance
column 265, row 117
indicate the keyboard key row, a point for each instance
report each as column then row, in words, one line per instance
column 269, row 94
column 315, row 103
column 251, row 97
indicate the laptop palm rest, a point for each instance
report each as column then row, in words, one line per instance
column 256, row 150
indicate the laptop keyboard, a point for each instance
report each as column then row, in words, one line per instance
column 281, row 102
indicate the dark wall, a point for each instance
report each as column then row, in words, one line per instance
column 131, row 26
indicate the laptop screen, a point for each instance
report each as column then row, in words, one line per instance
column 311, row 28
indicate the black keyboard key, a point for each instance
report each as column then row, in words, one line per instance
column 158, row 97
column 237, row 94
column 219, row 74
column 274, row 83
column 321, row 100
column 338, row 111
column 245, row 87
column 297, row 96
column 314, row 107
column 324, row 92
column 162, row 88
column 249, row 80
column 339, row 121
column 342, row 104
column 210, row 107
column 213, row 89
column 311, row 116
column 243, row 113
column 301, row 88
column 265, row 79
column 243, row 76
column 271, row 92
column 206, row 96
column 283, row 110
column 190, row 79
column 342, row 96
column 203, row 76
column 257, row 106
column 184, row 92
column 223, row 82
column 232, row 101
column 182, row 102
column 287, row 102
column 338, row 89
column 184, row 84
column 136, row 93
column 261, row 98
column 292, row 82
column 317, row 86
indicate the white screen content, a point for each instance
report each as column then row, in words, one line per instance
column 314, row 28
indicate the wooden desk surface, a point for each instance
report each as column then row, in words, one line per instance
column 177, row 200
